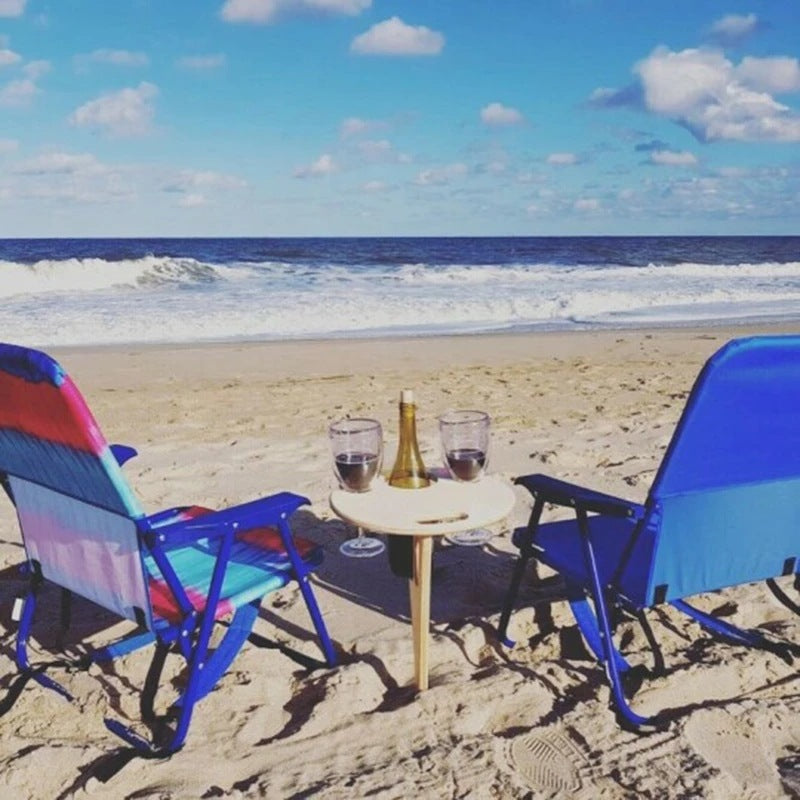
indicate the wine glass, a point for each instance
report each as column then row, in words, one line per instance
column 357, row 448
column 465, row 444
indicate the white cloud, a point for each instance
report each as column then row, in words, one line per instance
column 214, row 61
column 192, row 200
column 128, row 112
column 12, row 8
column 779, row 74
column 440, row 176
column 117, row 58
column 18, row 93
column 393, row 37
column 8, row 57
column 381, row 151
column 734, row 28
column 187, row 180
column 562, row 159
column 324, row 165
column 266, row 11
column 586, row 204
column 59, row 163
column 498, row 114
column 8, row 146
column 35, row 69
column 673, row 159
column 702, row 90
column 356, row 126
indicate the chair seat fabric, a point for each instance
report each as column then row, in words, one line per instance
column 258, row 565
column 559, row 546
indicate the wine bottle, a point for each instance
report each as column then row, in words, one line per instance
column 408, row 472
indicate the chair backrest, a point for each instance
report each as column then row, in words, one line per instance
column 725, row 504
column 77, row 514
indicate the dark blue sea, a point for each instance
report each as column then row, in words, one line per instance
column 102, row 291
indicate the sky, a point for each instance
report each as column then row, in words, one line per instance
column 399, row 117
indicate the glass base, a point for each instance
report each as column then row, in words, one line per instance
column 362, row 547
column 473, row 538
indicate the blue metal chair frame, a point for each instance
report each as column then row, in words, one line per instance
column 610, row 586
column 190, row 637
column 45, row 422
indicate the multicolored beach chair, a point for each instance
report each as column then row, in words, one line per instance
column 723, row 510
column 174, row 573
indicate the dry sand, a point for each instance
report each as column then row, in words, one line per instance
column 220, row 424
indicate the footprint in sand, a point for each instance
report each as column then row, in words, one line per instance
column 731, row 746
column 548, row 760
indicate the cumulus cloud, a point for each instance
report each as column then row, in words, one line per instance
column 35, row 69
column 324, row 165
column 12, row 8
column 496, row 114
column 393, row 37
column 440, row 176
column 706, row 93
column 18, row 93
column 188, row 180
column 60, row 163
column 672, row 158
column 562, row 159
column 213, row 61
column 733, row 29
column 356, row 126
column 116, row 58
column 128, row 112
column 778, row 75
column 266, row 11
column 380, row 151
column 8, row 57
column 586, row 204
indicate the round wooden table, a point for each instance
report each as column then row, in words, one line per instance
column 445, row 507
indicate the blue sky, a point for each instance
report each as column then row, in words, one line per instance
column 390, row 117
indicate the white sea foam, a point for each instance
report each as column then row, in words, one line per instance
column 77, row 275
column 82, row 301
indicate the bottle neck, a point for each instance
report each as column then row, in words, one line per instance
column 408, row 420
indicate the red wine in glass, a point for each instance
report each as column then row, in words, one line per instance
column 356, row 469
column 466, row 463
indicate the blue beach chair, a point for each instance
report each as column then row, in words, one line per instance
column 723, row 510
column 174, row 573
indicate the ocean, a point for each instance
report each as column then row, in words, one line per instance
column 113, row 291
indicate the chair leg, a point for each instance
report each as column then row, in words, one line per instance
column 21, row 651
column 589, row 627
column 525, row 553
column 301, row 574
column 218, row 662
column 610, row 654
column 784, row 650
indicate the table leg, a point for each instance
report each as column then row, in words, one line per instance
column 419, row 588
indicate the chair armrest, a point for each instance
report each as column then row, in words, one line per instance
column 562, row 493
column 255, row 514
column 123, row 453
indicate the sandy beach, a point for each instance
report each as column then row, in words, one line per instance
column 220, row 424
